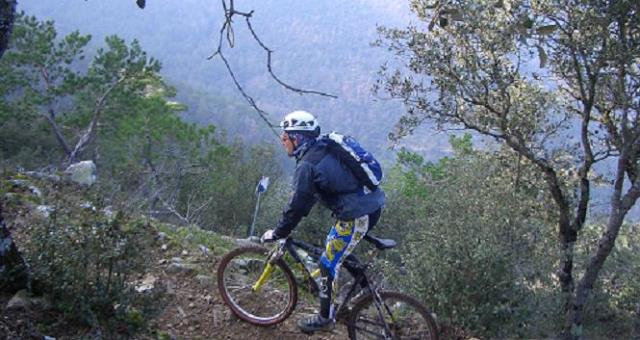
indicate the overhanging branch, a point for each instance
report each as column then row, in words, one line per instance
column 227, row 29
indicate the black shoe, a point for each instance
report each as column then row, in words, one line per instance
column 316, row 323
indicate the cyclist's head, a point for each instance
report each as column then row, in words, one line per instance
column 298, row 127
column 301, row 122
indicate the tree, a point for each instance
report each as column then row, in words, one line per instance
column 45, row 79
column 572, row 115
column 7, row 16
column 39, row 73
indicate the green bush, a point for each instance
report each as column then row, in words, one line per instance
column 474, row 245
column 87, row 262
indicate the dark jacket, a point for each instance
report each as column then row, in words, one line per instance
column 319, row 175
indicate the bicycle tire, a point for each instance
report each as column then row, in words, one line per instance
column 357, row 322
column 243, row 309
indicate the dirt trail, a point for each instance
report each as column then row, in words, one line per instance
column 196, row 311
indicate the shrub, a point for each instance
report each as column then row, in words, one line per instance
column 474, row 244
column 87, row 261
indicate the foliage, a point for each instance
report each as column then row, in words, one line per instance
column 476, row 243
column 87, row 260
column 555, row 82
column 34, row 71
column 473, row 237
column 192, row 237
column 117, row 111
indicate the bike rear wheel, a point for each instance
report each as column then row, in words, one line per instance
column 405, row 317
column 275, row 299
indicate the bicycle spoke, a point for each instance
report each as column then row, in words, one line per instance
column 252, row 293
column 237, row 288
column 404, row 317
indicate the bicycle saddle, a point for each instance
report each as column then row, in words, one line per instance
column 380, row 243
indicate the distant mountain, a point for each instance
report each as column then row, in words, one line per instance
column 319, row 45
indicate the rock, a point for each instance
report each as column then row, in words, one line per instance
column 161, row 236
column 19, row 301
column 171, row 288
column 88, row 206
column 182, row 313
column 205, row 251
column 181, row 268
column 164, row 247
column 147, row 284
column 247, row 265
column 108, row 213
column 185, row 253
column 44, row 210
column 205, row 280
column 83, row 173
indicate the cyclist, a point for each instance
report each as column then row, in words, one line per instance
column 319, row 175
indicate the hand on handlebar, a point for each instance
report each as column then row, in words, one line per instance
column 269, row 236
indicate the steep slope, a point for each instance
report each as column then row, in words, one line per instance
column 179, row 278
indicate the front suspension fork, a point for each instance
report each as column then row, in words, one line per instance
column 272, row 258
column 266, row 273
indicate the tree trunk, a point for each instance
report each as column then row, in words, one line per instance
column 14, row 273
column 620, row 206
column 7, row 16
column 565, row 273
column 575, row 313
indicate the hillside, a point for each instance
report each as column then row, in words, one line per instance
column 180, row 277
column 323, row 46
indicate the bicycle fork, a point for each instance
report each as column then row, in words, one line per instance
column 273, row 257
column 266, row 273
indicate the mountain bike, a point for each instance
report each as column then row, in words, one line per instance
column 259, row 286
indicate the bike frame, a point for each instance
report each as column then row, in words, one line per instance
column 351, row 263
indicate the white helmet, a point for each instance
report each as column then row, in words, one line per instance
column 300, row 121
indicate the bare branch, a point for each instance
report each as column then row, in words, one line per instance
column 263, row 114
column 228, row 29
column 269, row 53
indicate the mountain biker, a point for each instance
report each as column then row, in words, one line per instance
column 319, row 175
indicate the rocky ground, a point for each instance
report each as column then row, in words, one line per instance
column 196, row 311
column 191, row 307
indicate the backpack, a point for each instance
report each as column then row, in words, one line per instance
column 361, row 162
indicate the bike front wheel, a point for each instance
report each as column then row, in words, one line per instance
column 398, row 317
column 255, row 291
